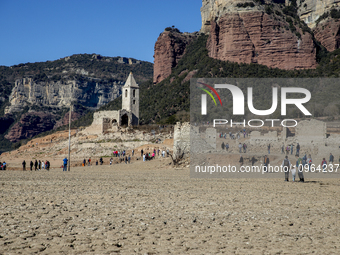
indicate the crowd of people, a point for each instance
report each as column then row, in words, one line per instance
column 302, row 164
column 232, row 136
column 37, row 165
column 3, row 165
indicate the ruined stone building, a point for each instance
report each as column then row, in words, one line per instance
column 105, row 121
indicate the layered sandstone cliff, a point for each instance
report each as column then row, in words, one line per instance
column 169, row 49
column 327, row 32
column 88, row 92
column 256, row 37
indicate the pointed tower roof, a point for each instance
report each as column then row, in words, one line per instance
column 130, row 82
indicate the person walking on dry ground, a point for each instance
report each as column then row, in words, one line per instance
column 299, row 168
column 24, row 165
column 291, row 149
column 293, row 173
column 331, row 158
column 309, row 161
column 241, row 160
column 35, row 165
column 298, row 149
column 324, row 164
column 65, row 164
column 31, row 165
column 253, row 160
column 244, row 148
column 266, row 163
column 286, row 166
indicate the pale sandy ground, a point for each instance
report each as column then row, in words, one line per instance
column 151, row 208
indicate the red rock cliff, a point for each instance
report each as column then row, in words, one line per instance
column 256, row 37
column 327, row 32
column 29, row 125
column 169, row 49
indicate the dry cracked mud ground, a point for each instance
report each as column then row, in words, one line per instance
column 151, row 208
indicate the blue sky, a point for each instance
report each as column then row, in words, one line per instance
column 41, row 30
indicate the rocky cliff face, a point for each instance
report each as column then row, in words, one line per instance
column 29, row 125
column 310, row 10
column 245, row 32
column 88, row 92
column 169, row 49
column 257, row 37
column 212, row 10
column 327, row 32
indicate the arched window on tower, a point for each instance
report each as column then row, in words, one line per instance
column 126, row 93
column 134, row 93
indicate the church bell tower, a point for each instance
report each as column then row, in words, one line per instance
column 130, row 98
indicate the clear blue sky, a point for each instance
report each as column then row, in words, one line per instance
column 41, row 30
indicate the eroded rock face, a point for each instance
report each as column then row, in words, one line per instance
column 327, row 32
column 310, row 10
column 169, row 49
column 29, row 125
column 256, row 37
column 87, row 92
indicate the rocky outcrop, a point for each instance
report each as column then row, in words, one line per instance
column 327, row 32
column 29, row 125
column 169, row 49
column 311, row 10
column 256, row 37
column 88, row 92
column 212, row 10
column 308, row 10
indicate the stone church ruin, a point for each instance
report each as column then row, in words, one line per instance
column 110, row 121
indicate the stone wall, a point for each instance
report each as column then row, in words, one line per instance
column 311, row 130
column 101, row 121
column 181, row 139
